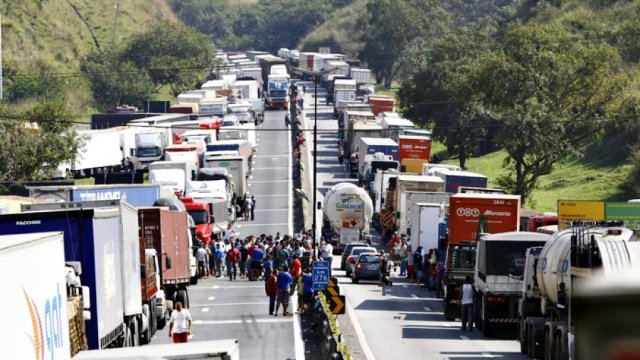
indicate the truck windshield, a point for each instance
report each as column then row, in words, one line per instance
column 148, row 151
column 278, row 93
column 199, row 216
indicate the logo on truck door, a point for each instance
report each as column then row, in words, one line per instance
column 51, row 336
column 468, row 212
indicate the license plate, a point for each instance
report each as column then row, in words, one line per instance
column 371, row 266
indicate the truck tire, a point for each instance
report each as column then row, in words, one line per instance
column 153, row 318
column 162, row 321
column 181, row 296
column 559, row 347
column 145, row 337
column 524, row 342
column 548, row 344
column 135, row 332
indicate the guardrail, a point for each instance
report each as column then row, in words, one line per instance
column 327, row 328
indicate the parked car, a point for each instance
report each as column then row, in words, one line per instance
column 355, row 252
column 367, row 267
column 347, row 252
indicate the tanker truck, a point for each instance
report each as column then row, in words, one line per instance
column 546, row 317
column 347, row 214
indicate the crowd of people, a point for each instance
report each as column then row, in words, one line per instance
column 282, row 262
column 422, row 265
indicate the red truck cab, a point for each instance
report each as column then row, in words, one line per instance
column 199, row 211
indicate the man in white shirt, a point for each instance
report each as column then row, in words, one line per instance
column 228, row 233
column 180, row 324
column 327, row 253
column 466, row 301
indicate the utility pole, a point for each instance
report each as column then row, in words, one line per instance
column 1, row 77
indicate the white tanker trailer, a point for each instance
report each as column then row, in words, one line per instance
column 347, row 214
column 568, row 258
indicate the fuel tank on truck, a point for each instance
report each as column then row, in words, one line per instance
column 346, row 202
column 554, row 266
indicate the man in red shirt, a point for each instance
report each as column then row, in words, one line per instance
column 296, row 271
column 271, row 286
column 233, row 257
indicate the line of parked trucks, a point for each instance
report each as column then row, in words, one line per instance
column 522, row 267
column 128, row 265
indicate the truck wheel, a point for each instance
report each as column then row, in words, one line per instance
column 487, row 329
column 181, row 296
column 145, row 337
column 153, row 318
column 524, row 340
column 559, row 347
column 162, row 321
column 135, row 333
column 548, row 353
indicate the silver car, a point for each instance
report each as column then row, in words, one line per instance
column 353, row 256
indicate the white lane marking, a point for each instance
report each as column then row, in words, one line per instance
column 464, row 337
column 211, row 298
column 297, row 331
column 361, row 338
column 276, row 209
column 205, row 309
column 251, row 177
column 289, row 195
column 272, row 156
column 271, row 195
column 229, row 322
column 216, row 286
column 270, row 168
column 414, row 296
column 426, row 308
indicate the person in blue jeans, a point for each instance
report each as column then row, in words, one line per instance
column 271, row 288
column 307, row 292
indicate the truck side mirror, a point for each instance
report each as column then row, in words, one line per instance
column 132, row 152
column 213, row 219
column 193, row 175
column 168, row 262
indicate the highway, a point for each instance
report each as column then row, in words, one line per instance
column 223, row 309
column 411, row 317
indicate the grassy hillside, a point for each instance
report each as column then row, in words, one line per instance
column 50, row 36
column 340, row 32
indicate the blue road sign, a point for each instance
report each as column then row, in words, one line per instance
column 320, row 275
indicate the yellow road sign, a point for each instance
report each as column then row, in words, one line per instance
column 573, row 210
column 336, row 304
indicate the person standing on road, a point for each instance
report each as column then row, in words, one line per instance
column 180, row 324
column 418, row 264
column 327, row 253
column 284, row 286
column 296, row 271
column 233, row 256
column 201, row 256
column 307, row 291
column 271, row 286
column 253, row 207
column 244, row 255
column 228, row 232
column 301, row 103
column 403, row 255
column 287, row 119
column 466, row 299
column 383, row 268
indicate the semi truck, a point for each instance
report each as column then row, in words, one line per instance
column 424, row 229
column 35, row 296
column 469, row 216
column 346, row 206
column 167, row 232
column 278, row 92
column 150, row 144
column 414, row 151
column 455, row 179
column 99, row 154
column 135, row 194
column 498, row 280
column 172, row 175
column 193, row 154
column 406, row 184
column 570, row 257
column 100, row 240
column 237, row 167
column 393, row 124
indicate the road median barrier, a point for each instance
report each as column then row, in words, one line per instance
column 327, row 327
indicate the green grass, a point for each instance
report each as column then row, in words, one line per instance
column 599, row 175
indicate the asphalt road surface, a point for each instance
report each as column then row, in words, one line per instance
column 223, row 309
column 270, row 180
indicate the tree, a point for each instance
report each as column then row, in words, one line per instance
column 114, row 80
column 40, row 149
column 551, row 93
column 172, row 54
column 390, row 27
column 439, row 95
